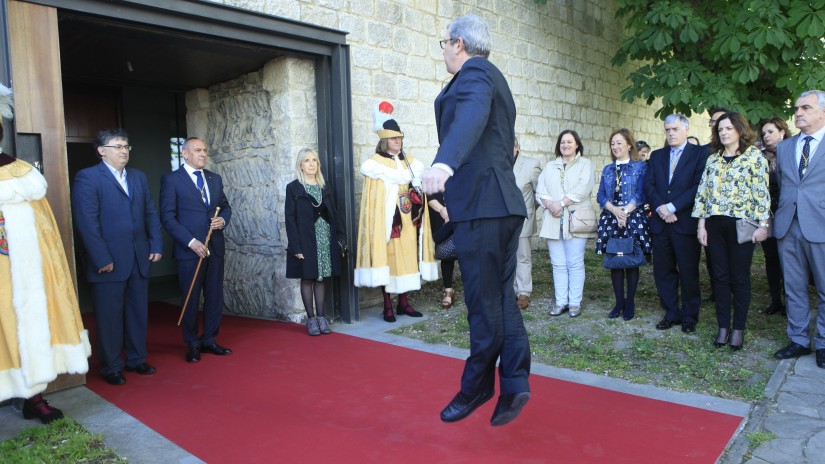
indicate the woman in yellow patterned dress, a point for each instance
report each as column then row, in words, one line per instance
column 393, row 253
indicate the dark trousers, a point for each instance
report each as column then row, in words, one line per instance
column 676, row 267
column 121, row 318
column 486, row 251
column 447, row 270
column 731, row 271
column 772, row 268
column 210, row 281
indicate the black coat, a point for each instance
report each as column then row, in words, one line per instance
column 300, row 232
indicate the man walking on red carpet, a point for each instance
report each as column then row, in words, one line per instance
column 475, row 116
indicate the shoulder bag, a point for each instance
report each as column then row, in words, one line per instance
column 623, row 253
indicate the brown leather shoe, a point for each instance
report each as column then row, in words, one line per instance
column 523, row 301
column 447, row 299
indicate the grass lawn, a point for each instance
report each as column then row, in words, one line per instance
column 62, row 441
column 633, row 350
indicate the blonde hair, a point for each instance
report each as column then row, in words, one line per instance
column 302, row 155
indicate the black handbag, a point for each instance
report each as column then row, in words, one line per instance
column 446, row 249
column 444, row 244
column 623, row 253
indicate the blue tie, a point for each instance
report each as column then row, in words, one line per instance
column 200, row 184
column 806, row 152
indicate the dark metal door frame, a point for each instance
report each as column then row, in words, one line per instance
column 326, row 46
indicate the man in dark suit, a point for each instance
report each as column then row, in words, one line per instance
column 188, row 198
column 475, row 116
column 118, row 224
column 673, row 176
column 798, row 224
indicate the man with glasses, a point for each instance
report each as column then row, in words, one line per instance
column 475, row 116
column 118, row 224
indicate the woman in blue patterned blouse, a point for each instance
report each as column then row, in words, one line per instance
column 734, row 186
column 621, row 196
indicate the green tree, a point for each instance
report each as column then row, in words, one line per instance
column 754, row 56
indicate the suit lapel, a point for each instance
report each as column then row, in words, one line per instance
column 787, row 157
column 108, row 175
column 190, row 185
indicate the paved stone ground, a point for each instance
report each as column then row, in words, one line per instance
column 793, row 408
column 794, row 411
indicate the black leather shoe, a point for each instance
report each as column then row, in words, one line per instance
column 775, row 307
column 793, row 350
column 407, row 311
column 616, row 312
column 820, row 358
column 666, row 323
column 388, row 315
column 508, row 407
column 461, row 407
column 115, row 378
column 216, row 349
column 142, row 369
column 688, row 327
column 193, row 355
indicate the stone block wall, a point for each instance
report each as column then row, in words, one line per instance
column 556, row 57
column 254, row 127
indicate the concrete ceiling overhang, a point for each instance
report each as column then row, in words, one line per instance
column 105, row 51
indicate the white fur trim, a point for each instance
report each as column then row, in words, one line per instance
column 29, row 294
column 404, row 283
column 31, row 186
column 372, row 277
column 429, row 271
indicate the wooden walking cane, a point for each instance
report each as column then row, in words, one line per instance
column 198, row 268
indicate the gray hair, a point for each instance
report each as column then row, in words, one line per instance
column 475, row 32
column 672, row 118
column 820, row 96
column 302, row 155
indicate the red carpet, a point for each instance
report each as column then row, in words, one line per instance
column 285, row 397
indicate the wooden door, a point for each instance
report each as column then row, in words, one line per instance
column 36, row 80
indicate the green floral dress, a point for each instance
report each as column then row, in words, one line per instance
column 322, row 234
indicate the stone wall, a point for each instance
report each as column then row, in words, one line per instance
column 556, row 57
column 254, row 127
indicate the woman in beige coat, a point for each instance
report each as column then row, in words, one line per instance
column 564, row 190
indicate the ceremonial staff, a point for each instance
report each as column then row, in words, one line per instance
column 198, row 268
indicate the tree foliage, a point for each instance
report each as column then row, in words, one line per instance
column 754, row 56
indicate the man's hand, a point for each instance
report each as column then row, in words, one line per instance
column 218, row 223
column 107, row 268
column 433, row 180
column 671, row 218
column 663, row 212
column 199, row 248
column 155, row 257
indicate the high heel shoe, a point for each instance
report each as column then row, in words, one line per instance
column 737, row 339
column 721, row 338
column 447, row 299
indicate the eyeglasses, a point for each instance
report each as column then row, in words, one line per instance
column 712, row 122
column 442, row 42
column 119, row 147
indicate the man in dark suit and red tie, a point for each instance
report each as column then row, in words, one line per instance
column 475, row 116
column 117, row 221
column 673, row 176
column 189, row 197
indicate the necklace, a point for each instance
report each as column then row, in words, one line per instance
column 618, row 187
column 315, row 190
